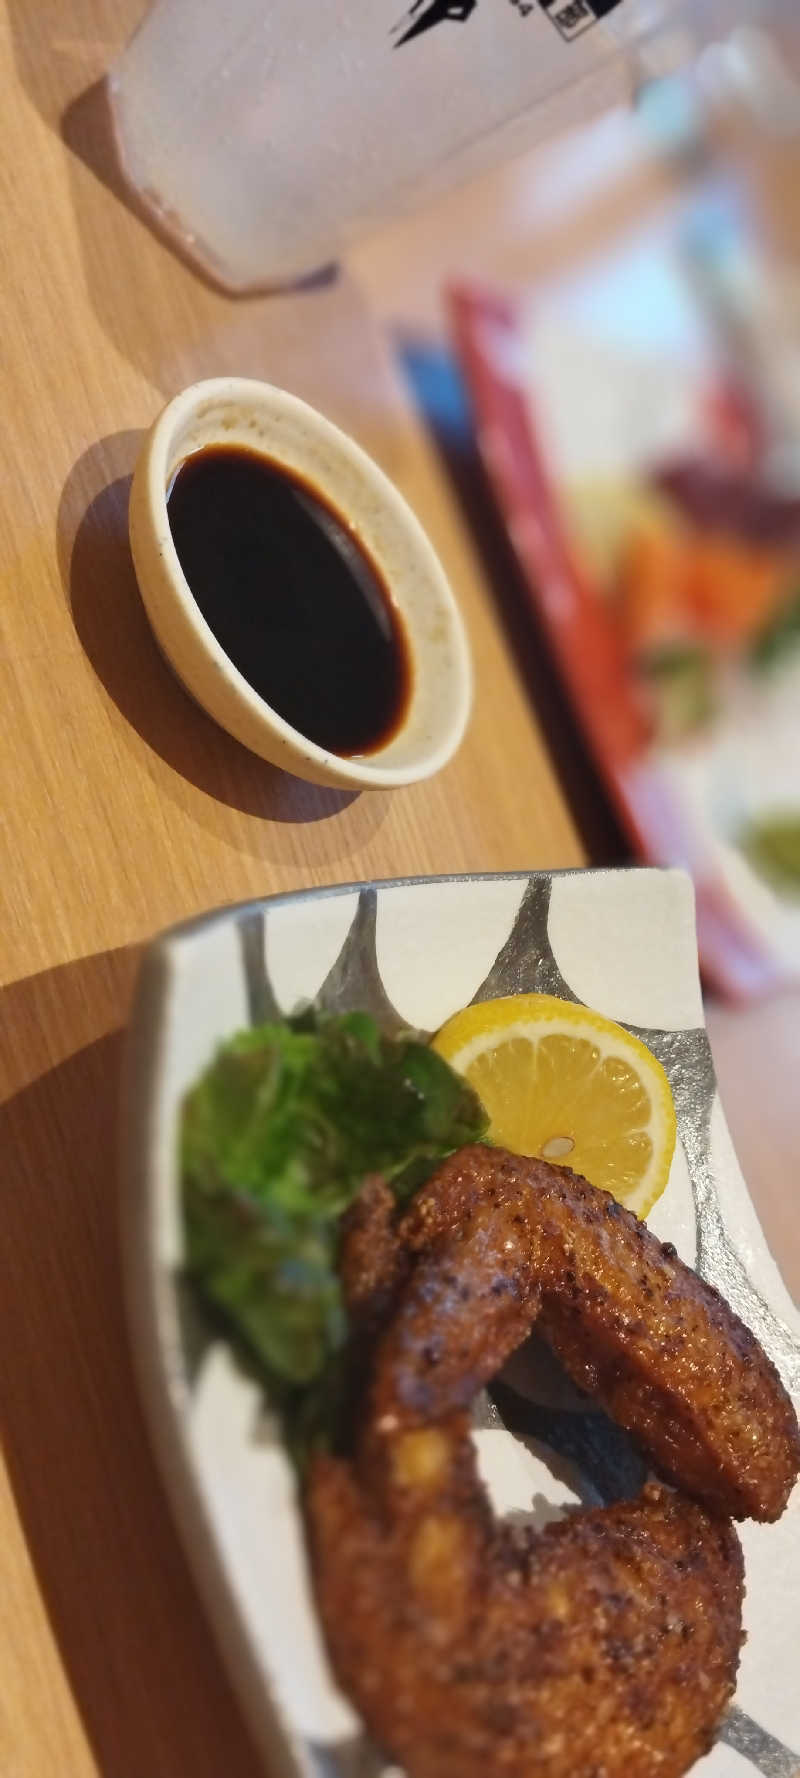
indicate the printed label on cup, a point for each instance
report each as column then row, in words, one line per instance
column 571, row 17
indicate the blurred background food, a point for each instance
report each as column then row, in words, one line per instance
column 649, row 260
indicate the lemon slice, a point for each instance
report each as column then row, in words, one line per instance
column 561, row 1082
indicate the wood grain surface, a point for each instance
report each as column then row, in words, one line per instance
column 123, row 809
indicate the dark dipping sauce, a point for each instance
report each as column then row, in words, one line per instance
column 292, row 597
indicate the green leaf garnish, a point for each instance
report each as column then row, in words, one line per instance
column 277, row 1138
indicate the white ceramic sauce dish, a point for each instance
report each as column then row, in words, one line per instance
column 231, row 412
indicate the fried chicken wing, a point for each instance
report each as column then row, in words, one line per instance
column 605, row 1646
column 501, row 1241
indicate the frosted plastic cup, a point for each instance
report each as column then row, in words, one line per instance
column 265, row 134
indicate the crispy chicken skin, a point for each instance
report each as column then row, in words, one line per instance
column 500, row 1241
column 605, row 1646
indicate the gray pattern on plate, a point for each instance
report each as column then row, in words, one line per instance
column 763, row 1751
column 261, row 1002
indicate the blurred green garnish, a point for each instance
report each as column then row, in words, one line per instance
column 780, row 636
column 681, row 684
column 277, row 1139
column 772, row 845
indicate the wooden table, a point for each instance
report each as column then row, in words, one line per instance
column 122, row 809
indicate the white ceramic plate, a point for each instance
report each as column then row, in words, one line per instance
column 413, row 953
